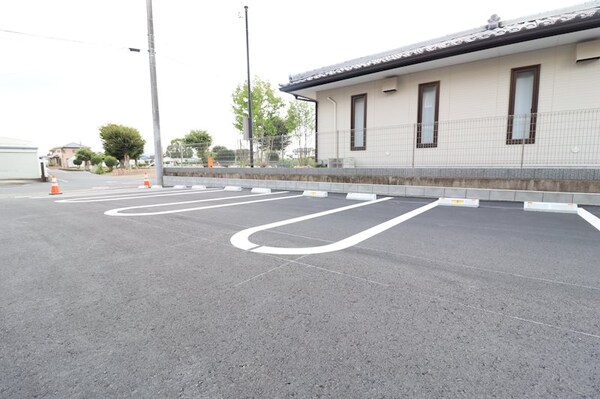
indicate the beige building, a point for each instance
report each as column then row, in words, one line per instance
column 63, row 156
column 520, row 93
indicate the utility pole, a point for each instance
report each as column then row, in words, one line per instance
column 249, row 92
column 158, row 158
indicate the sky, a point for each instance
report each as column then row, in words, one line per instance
column 69, row 70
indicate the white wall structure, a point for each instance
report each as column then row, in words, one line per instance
column 474, row 72
column 18, row 160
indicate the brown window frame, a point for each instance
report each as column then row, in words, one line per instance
column 534, row 104
column 422, row 86
column 352, row 127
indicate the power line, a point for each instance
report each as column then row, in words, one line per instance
column 87, row 43
column 62, row 39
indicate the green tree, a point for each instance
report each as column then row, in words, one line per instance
column 85, row 156
column 77, row 162
column 179, row 149
column 110, row 162
column 97, row 160
column 242, row 156
column 200, row 140
column 218, row 148
column 223, row 155
column 266, row 106
column 122, row 142
column 300, row 121
column 282, row 138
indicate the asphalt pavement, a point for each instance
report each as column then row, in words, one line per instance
column 69, row 181
column 142, row 293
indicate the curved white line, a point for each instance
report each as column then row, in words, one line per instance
column 116, row 212
column 107, row 198
column 240, row 239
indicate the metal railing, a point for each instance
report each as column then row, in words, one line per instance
column 569, row 139
column 269, row 151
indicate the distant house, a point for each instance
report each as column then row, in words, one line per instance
column 519, row 93
column 63, row 156
column 18, row 159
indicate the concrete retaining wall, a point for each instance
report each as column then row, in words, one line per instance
column 292, row 181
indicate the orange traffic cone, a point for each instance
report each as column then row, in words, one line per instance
column 54, row 188
column 146, row 181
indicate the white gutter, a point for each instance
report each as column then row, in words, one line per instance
column 337, row 135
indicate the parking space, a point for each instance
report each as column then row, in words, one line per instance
column 234, row 294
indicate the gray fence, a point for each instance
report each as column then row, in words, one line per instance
column 568, row 139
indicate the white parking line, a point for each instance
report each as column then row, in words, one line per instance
column 132, row 196
column 240, row 239
column 117, row 212
column 590, row 218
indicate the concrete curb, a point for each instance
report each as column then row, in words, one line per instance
column 397, row 191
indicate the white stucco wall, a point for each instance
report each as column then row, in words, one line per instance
column 468, row 93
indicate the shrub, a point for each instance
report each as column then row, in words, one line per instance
column 97, row 159
column 110, row 162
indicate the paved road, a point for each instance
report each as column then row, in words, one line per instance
column 69, row 182
column 487, row 302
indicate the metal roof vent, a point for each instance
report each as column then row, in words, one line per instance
column 494, row 22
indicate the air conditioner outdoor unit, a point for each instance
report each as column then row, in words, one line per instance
column 335, row 162
column 587, row 51
column 389, row 85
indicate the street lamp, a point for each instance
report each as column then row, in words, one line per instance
column 249, row 92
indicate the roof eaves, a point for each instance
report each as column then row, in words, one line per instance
column 511, row 32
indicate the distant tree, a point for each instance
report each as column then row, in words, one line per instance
column 282, row 135
column 266, row 106
column 223, row 155
column 218, row 148
column 77, row 162
column 97, row 159
column 300, row 121
column 179, row 149
column 242, row 156
column 110, row 162
column 85, row 156
column 200, row 140
column 122, row 142
column 300, row 117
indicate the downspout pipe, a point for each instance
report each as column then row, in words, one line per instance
column 337, row 136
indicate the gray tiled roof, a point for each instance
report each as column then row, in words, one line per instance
column 73, row 145
column 504, row 30
column 70, row 145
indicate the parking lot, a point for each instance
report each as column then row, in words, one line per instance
column 222, row 294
